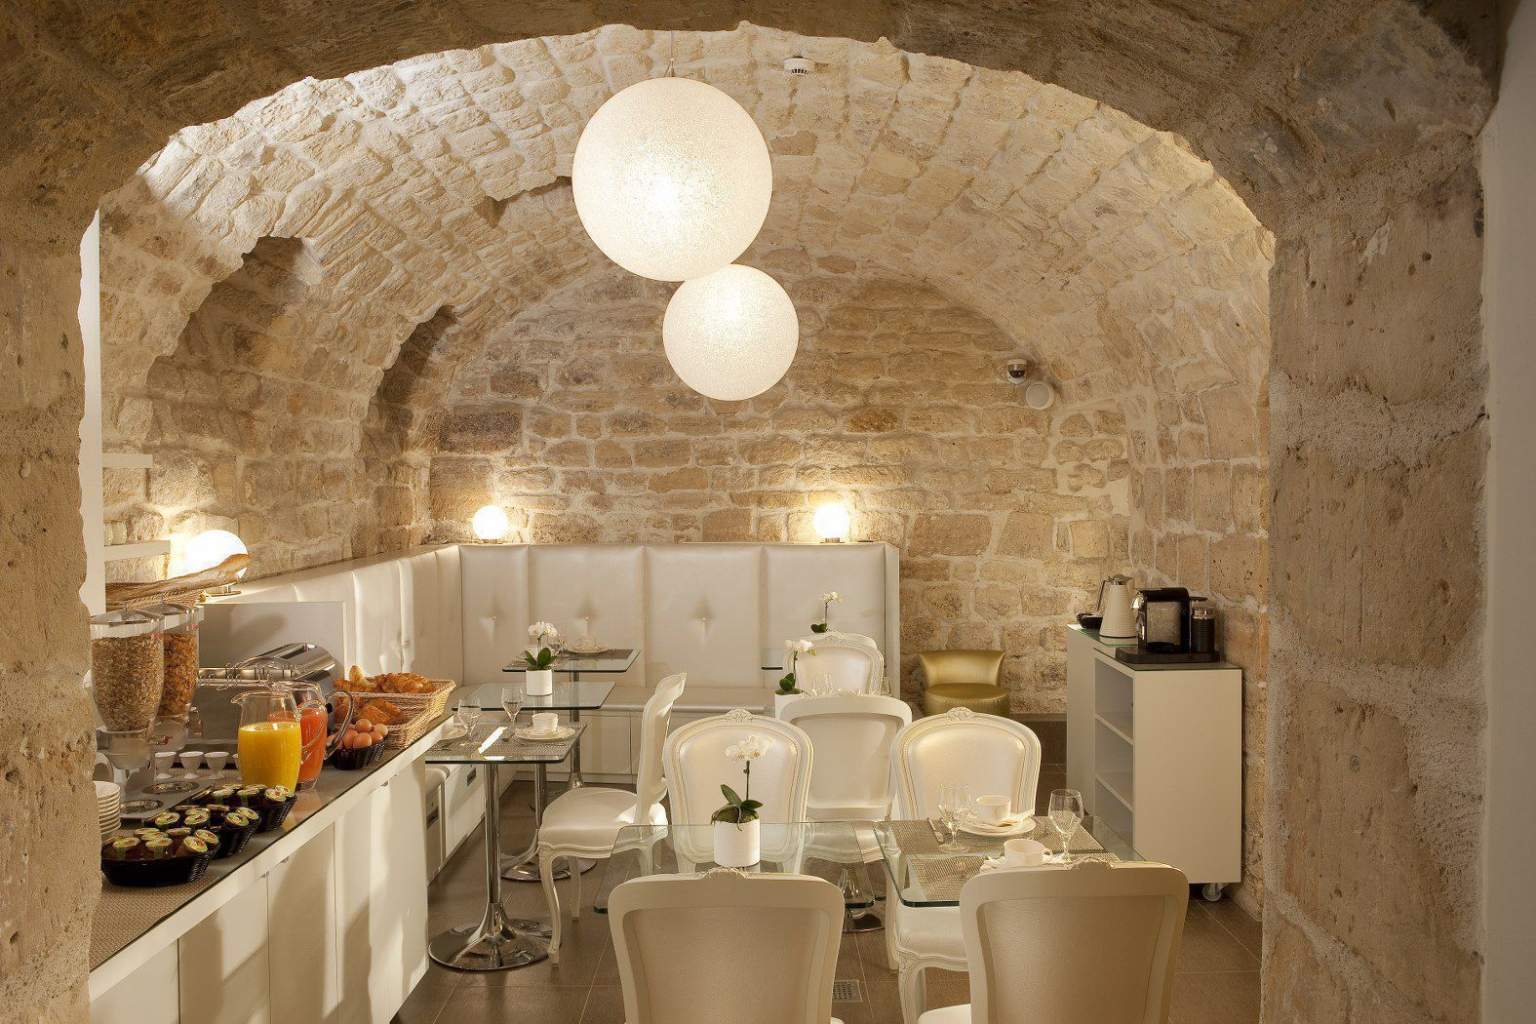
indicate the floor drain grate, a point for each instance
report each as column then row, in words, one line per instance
column 847, row 990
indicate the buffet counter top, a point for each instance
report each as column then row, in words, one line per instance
column 132, row 925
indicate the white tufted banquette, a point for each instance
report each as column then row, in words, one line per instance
column 711, row 610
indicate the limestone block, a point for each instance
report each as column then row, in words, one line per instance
column 944, row 534
column 1379, row 890
column 1373, row 535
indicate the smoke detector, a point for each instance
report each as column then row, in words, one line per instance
column 1038, row 393
column 798, row 65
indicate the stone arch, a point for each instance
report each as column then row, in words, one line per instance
column 1283, row 98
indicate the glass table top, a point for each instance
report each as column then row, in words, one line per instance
column 491, row 742
column 929, row 873
column 565, row 695
column 614, row 660
column 826, row 849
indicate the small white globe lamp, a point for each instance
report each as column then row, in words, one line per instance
column 490, row 523
column 210, row 548
column 672, row 179
column 731, row 335
column 831, row 523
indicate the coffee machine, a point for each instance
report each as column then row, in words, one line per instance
column 1164, row 629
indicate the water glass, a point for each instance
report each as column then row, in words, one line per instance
column 1066, row 812
column 469, row 715
column 512, row 698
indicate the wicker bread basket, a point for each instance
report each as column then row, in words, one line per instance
column 420, row 710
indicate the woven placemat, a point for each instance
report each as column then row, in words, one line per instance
column 941, row 870
column 123, row 914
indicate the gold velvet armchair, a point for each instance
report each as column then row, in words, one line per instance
column 963, row 679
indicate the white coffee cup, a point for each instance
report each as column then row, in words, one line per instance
column 216, row 759
column 993, row 809
column 1026, row 853
column 191, row 760
column 545, row 722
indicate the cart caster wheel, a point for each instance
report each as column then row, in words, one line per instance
column 1211, row 891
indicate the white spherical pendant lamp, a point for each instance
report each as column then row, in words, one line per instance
column 732, row 334
column 672, row 179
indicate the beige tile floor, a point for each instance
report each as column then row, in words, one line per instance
column 1218, row 980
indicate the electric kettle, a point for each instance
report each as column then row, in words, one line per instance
column 1115, row 605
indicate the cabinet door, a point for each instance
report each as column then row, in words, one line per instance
column 381, row 899
column 150, row 995
column 301, row 933
column 222, row 963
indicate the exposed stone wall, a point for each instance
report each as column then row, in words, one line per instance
column 1006, row 518
column 1376, row 685
column 1285, row 98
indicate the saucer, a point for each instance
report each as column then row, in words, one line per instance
column 456, row 731
column 565, row 732
column 591, row 647
column 1009, row 828
column 999, row 864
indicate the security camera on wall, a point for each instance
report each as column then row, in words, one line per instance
column 1038, row 393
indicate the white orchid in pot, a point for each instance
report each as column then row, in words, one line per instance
column 538, row 675
column 789, row 687
column 738, row 842
column 828, row 599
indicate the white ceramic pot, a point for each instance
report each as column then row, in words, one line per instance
column 783, row 700
column 737, row 846
column 539, row 682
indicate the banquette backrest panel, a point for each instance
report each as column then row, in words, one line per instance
column 797, row 575
column 703, row 611
column 582, row 586
column 711, row 610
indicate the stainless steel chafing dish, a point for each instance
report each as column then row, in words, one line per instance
column 217, row 687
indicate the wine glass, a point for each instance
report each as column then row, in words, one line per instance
column 954, row 800
column 1066, row 811
column 512, row 698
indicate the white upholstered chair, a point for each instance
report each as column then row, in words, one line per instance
column 992, row 755
column 695, row 765
column 585, row 822
column 842, row 661
column 726, row 947
column 1090, row 942
column 853, row 736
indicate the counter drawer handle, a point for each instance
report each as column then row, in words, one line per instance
column 432, row 818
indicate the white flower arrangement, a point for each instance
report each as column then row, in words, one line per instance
column 828, row 599
column 794, row 648
column 739, row 810
column 540, row 656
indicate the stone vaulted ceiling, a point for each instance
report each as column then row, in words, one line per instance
column 1105, row 249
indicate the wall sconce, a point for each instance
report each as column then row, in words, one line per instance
column 490, row 522
column 210, row 548
column 831, row 523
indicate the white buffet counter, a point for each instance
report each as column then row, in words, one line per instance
column 336, row 903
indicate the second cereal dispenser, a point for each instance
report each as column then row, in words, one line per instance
column 179, row 624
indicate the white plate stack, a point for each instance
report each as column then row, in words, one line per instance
column 109, row 807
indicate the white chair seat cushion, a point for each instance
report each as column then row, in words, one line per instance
column 947, row 1015
column 930, row 931
column 591, row 817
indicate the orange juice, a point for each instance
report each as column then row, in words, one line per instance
column 270, row 754
column 312, row 722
